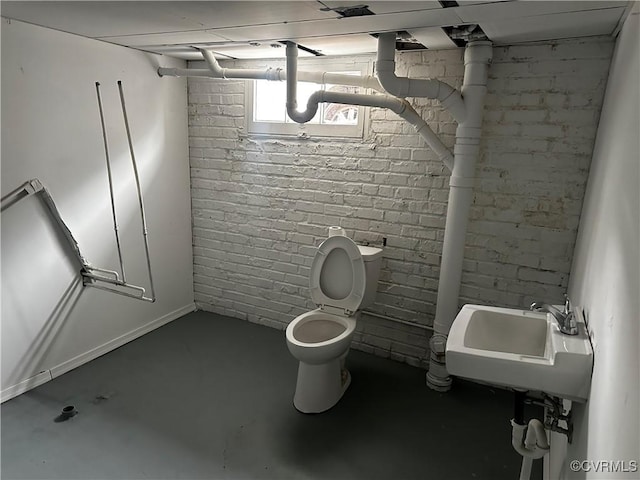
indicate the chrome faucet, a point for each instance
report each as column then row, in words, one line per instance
column 566, row 319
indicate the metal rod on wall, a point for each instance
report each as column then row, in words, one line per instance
column 139, row 189
column 113, row 204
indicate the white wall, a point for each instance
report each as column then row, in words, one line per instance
column 605, row 277
column 261, row 204
column 51, row 131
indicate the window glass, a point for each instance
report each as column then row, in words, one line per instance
column 268, row 105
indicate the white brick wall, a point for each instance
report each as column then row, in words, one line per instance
column 261, row 205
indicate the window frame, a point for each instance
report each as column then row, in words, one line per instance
column 333, row 64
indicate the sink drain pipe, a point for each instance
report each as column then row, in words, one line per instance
column 531, row 442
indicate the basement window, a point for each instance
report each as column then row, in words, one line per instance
column 267, row 110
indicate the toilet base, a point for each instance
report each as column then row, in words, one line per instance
column 320, row 387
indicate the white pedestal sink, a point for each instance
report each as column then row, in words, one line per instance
column 520, row 349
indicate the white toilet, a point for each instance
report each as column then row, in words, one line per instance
column 344, row 278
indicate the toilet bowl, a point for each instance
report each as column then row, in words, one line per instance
column 343, row 280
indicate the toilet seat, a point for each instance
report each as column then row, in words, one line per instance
column 337, row 286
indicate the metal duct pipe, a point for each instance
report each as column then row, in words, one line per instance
column 476, row 59
column 403, row 87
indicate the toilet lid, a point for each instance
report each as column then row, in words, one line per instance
column 338, row 275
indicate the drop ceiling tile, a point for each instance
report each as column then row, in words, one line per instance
column 382, row 7
column 503, row 10
column 117, row 18
column 549, row 27
column 221, row 14
column 183, row 52
column 476, row 2
column 344, row 26
column 245, row 51
column 96, row 19
column 336, row 45
column 177, row 38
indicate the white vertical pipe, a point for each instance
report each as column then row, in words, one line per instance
column 476, row 59
column 525, row 469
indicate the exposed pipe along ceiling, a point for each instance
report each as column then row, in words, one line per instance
column 465, row 106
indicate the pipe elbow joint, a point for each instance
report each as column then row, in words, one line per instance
column 212, row 63
column 530, row 440
column 398, row 87
column 302, row 117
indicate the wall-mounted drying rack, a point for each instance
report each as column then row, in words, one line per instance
column 101, row 278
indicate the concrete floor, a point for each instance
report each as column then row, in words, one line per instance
column 211, row 397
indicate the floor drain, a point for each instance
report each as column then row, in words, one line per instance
column 67, row 412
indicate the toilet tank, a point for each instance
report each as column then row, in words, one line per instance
column 372, row 258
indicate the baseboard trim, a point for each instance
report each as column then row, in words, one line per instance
column 25, row 385
column 43, row 377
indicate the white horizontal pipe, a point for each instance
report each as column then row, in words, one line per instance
column 115, row 274
column 410, row 323
column 120, row 292
column 245, row 73
column 403, row 87
column 366, row 81
column 272, row 74
column 185, row 72
column 280, row 75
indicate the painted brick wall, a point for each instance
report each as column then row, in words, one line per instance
column 261, row 205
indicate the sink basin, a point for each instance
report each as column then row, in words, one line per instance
column 520, row 349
